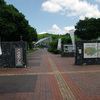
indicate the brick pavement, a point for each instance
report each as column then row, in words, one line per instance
column 50, row 77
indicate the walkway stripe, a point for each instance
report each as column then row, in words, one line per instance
column 43, row 73
column 64, row 88
column 88, row 71
column 27, row 74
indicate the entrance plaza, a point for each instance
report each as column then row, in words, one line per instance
column 50, row 77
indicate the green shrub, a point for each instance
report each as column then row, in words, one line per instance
column 55, row 51
column 42, row 46
column 59, row 52
column 50, row 49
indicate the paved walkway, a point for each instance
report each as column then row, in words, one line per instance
column 50, row 77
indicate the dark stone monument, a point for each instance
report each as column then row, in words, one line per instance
column 87, row 52
column 67, row 50
column 14, row 55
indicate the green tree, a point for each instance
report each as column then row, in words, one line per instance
column 13, row 24
column 42, row 45
column 88, row 29
column 2, row 2
column 32, row 36
column 66, row 39
column 54, row 44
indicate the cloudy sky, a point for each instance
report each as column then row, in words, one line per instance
column 56, row 16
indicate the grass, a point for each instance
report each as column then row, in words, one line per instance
column 30, row 51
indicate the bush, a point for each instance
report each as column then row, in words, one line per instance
column 55, row 51
column 42, row 46
column 50, row 49
column 59, row 51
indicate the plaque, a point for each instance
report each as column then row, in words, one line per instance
column 18, row 57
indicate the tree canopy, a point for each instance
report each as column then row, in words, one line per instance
column 13, row 24
column 2, row 2
column 88, row 29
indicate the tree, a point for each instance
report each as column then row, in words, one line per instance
column 66, row 39
column 81, row 29
column 32, row 36
column 88, row 29
column 13, row 25
column 2, row 2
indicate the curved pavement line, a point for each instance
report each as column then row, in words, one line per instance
column 66, row 92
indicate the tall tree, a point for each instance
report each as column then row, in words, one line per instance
column 13, row 24
column 2, row 2
column 88, row 29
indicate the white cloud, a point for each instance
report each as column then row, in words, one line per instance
column 56, row 30
column 42, row 32
column 67, row 29
column 51, row 7
column 76, row 8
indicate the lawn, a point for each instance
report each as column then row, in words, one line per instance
column 30, row 51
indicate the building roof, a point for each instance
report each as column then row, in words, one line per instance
column 42, row 39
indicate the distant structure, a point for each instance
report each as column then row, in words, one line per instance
column 45, row 41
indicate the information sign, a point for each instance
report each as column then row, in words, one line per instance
column 90, row 50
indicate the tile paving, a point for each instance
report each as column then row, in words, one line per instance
column 50, row 77
column 18, row 83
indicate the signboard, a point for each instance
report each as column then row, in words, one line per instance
column 18, row 57
column 90, row 50
column 68, row 48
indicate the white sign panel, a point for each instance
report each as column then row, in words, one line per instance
column 80, row 51
column 90, row 50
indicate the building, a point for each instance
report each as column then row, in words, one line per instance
column 45, row 41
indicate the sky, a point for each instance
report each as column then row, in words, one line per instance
column 56, row 16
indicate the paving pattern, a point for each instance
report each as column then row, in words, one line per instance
column 18, row 83
column 64, row 88
column 50, row 77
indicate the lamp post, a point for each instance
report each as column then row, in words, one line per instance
column 21, row 38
